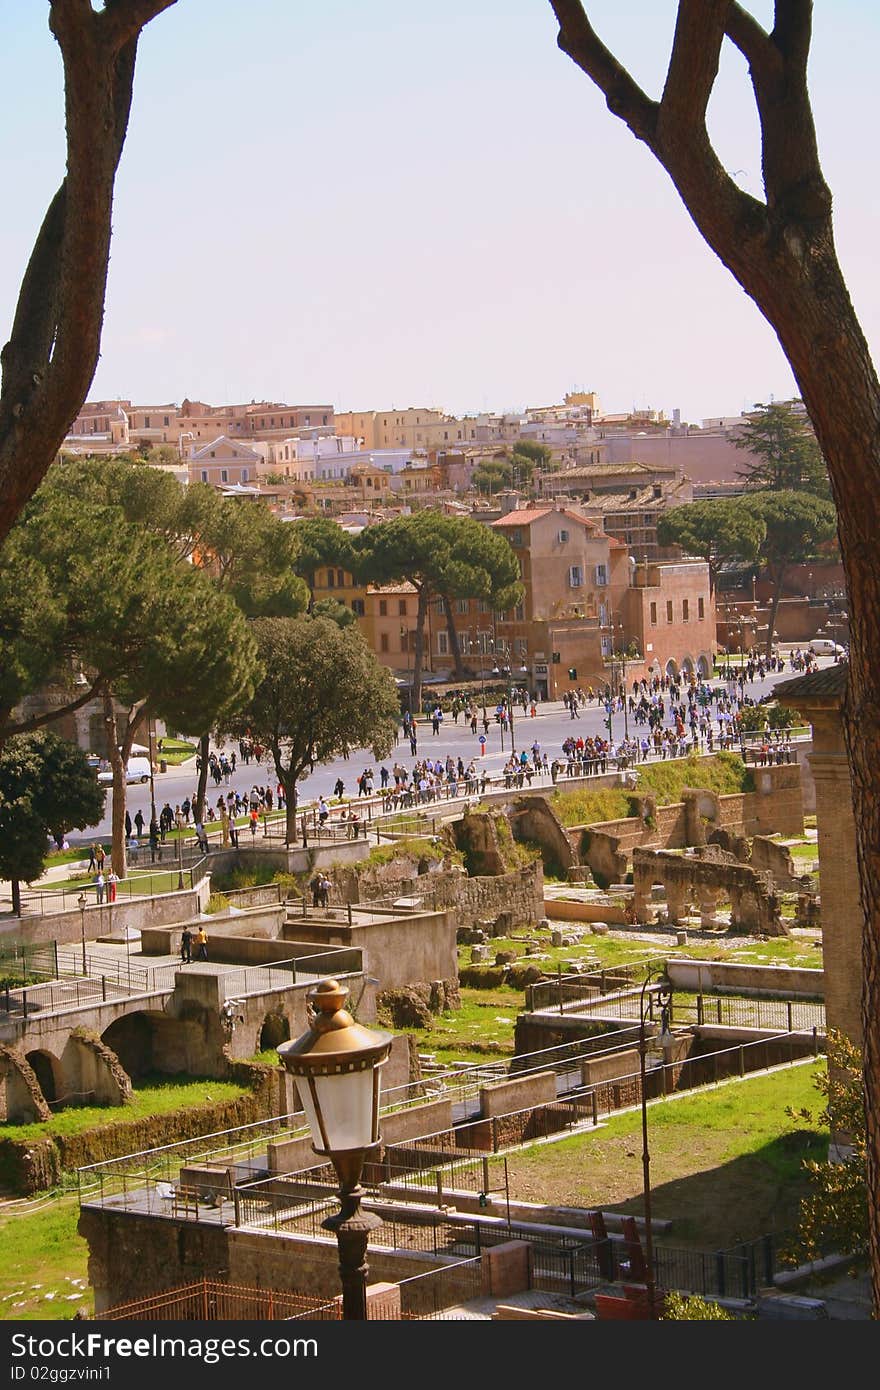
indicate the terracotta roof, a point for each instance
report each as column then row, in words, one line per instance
column 827, row 684
column 524, row 516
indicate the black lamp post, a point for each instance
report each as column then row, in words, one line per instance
column 662, row 995
column 337, row 1065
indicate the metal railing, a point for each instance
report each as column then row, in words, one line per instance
column 209, row 1300
column 137, row 885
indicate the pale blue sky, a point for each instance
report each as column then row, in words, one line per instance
column 406, row 203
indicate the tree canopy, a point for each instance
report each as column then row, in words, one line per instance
column 443, row 557
column 796, row 526
column 784, row 454
column 322, row 694
column 717, row 530
column 46, row 788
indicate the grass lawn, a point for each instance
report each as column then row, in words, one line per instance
column 154, row 1095
column 176, row 751
column 725, row 1164
column 43, row 1273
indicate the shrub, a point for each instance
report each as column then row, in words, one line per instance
column 682, row 1307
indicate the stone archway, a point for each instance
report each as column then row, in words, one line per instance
column 275, row 1030
column 687, row 666
column 47, row 1069
column 131, row 1038
column 672, row 667
column 704, row 665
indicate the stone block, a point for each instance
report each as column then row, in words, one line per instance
column 599, row 928
column 556, row 937
column 479, row 953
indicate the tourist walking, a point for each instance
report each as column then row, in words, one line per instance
column 201, row 944
column 186, row 938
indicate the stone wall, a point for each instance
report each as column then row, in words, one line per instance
column 519, row 1094
column 108, row 919
column 703, row 878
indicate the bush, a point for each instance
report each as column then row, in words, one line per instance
column 682, row 1307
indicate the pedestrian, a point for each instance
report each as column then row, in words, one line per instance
column 154, row 841
column 315, row 886
column 139, row 824
column 99, row 886
column 127, row 826
column 338, row 788
column 202, row 837
column 325, row 890
column 201, row 944
column 186, row 937
column 92, row 861
column 323, row 811
column 112, row 881
column 100, row 856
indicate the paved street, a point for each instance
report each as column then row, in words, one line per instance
column 552, row 725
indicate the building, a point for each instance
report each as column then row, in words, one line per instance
column 223, row 462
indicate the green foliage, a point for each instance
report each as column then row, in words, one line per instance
column 834, row 1213
column 717, row 531
column 46, row 788
column 410, row 847
column 797, row 525
column 786, row 452
column 322, row 694
column 756, row 718
column 680, row 1307
column 320, row 542
column 725, row 774
column 217, row 902
column 338, row 613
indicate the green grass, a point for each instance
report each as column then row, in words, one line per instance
column 725, row 773
column 153, row 1095
column 176, row 751
column 725, row 1163
column 42, row 1257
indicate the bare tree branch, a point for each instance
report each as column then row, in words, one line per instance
column 693, row 64
column 754, row 43
column 623, row 96
column 122, row 20
column 39, row 721
column 792, row 31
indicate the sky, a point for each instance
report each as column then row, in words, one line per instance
column 406, row 203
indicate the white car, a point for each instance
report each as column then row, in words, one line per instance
column 137, row 770
column 823, row 646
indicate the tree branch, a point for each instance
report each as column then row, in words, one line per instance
column 754, row 43
column 792, row 31
column 39, row 721
column 122, row 20
column 623, row 96
column 693, row 65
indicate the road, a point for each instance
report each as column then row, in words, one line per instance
column 552, row 725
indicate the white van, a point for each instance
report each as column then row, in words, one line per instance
column 823, row 646
column 137, row 770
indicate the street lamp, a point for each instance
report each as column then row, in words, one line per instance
column 337, row 1065
column 81, row 904
column 663, row 996
column 179, row 858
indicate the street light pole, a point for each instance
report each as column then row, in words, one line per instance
column 81, row 903
column 646, row 1003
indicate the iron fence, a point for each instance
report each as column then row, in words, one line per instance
column 210, row 1300
column 35, row 902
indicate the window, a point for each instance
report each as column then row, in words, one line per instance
column 519, row 613
column 401, row 607
column 224, row 476
column 438, row 607
column 146, row 422
column 522, row 647
column 516, row 538
column 357, row 606
column 383, row 641
column 701, row 608
column 204, row 475
column 685, row 611
column 331, row 579
column 462, row 605
column 483, row 606
column 601, row 575
column 562, row 537
column 340, row 578
column 442, row 643
column 653, row 615
column 575, row 576
column 165, row 420
column 669, row 610
column 244, row 475
column 383, row 608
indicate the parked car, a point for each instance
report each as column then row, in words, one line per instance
column 823, row 646
column 137, row 770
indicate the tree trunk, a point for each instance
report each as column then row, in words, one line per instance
column 16, row 897
column 290, row 804
column 778, row 580
column 781, row 251
column 201, row 787
column 50, row 358
column 419, row 647
column 453, row 640
column 120, row 790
